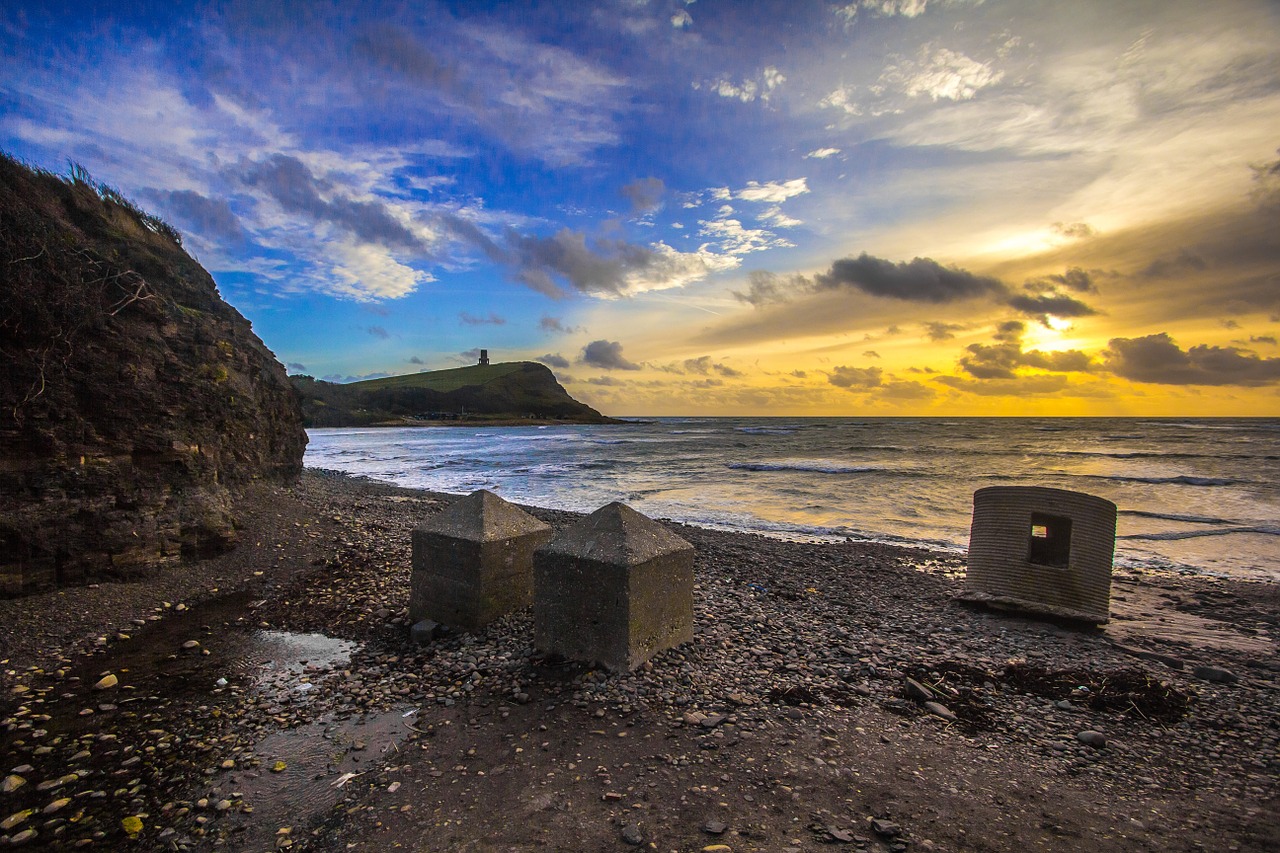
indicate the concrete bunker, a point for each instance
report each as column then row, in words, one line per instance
column 1042, row 550
column 473, row 563
column 615, row 589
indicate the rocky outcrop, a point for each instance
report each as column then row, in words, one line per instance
column 133, row 399
column 511, row 391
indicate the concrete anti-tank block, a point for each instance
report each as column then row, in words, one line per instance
column 615, row 589
column 473, row 562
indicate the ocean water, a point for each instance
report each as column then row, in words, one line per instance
column 1198, row 496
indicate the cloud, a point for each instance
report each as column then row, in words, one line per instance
column 1003, row 359
column 1044, row 305
column 918, row 280
column 1266, row 179
column 416, row 360
column 378, row 332
column 1040, row 385
column 1158, row 359
column 1073, row 278
column 1262, row 339
column 800, row 374
column 295, row 367
column 906, row 390
column 367, row 271
column 553, row 360
column 773, row 192
column 1073, row 230
column 606, row 355
column 935, row 73
column 557, row 326
column 748, row 90
column 871, row 354
column 1180, row 264
column 701, row 366
column 491, row 320
column 775, row 217
column 732, row 238
column 681, row 19
column 766, row 288
column 288, row 181
column 645, row 194
column 938, row 331
column 856, row 377
column 822, row 153
column 209, row 218
column 339, row 378
column 607, row 267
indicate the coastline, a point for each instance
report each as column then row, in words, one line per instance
column 785, row 720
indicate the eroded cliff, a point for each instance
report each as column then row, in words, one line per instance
column 134, row 401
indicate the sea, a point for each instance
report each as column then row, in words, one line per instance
column 1197, row 496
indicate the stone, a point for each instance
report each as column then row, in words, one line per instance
column 940, row 710
column 473, row 563
column 916, row 691
column 11, row 783
column 715, row 827
column 1092, row 738
column 885, row 828
column 1215, row 674
column 632, row 835
column 106, row 682
column 615, row 588
column 425, row 631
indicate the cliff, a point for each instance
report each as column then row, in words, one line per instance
column 134, row 401
column 519, row 390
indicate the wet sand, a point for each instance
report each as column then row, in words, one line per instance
column 270, row 698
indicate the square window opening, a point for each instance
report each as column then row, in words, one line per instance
column 1050, row 541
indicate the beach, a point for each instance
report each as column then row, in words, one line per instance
column 271, row 698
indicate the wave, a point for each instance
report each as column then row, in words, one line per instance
column 814, row 468
column 1174, row 536
column 766, row 430
column 1181, row 480
column 1192, row 519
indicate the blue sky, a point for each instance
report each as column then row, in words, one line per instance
column 874, row 207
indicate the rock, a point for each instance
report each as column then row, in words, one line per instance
column 131, row 824
column 717, row 848
column 57, row 805
column 632, row 835
column 190, row 645
column 106, row 682
column 885, row 828
column 916, row 691
column 16, row 819
column 425, row 631
column 715, row 827
column 1092, row 738
column 23, row 837
column 11, row 783
column 1215, row 674
column 711, row 721
column 940, row 710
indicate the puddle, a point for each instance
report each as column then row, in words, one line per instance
column 281, row 663
column 315, row 762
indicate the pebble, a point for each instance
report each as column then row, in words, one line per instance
column 11, row 783
column 885, row 828
column 632, row 835
column 1092, row 738
column 106, row 682
column 715, row 827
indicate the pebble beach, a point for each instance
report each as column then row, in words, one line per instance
column 834, row 694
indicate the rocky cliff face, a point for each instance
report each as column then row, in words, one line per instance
column 133, row 400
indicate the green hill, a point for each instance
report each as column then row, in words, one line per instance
column 490, row 393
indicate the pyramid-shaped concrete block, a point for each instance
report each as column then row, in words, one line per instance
column 615, row 589
column 473, row 562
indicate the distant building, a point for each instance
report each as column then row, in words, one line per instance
column 484, row 356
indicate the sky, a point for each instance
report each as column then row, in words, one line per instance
column 720, row 207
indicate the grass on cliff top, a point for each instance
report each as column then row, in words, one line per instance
column 444, row 380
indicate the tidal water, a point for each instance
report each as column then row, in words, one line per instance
column 1195, row 495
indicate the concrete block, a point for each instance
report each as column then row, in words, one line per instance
column 473, row 563
column 615, row 589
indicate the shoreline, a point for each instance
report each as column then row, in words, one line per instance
column 787, row 723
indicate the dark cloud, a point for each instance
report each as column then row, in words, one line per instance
column 918, row 280
column 871, row 354
column 939, row 331
column 645, row 194
column 416, row 360
column 800, row 374
column 702, row 366
column 378, row 332
column 288, row 180
column 553, row 360
column 1262, row 339
column 210, row 218
column 1171, row 267
column 1158, row 359
column 602, row 267
column 556, row 325
column 393, row 50
column 1074, row 230
column 1039, row 385
column 1266, row 190
column 339, row 378
column 1041, row 306
column 1002, row 359
column 605, row 380
column 905, row 390
column 1073, row 278
column 606, row 355
column 470, row 356
column 473, row 320
column 856, row 377
column 765, row 288
column 295, row 367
